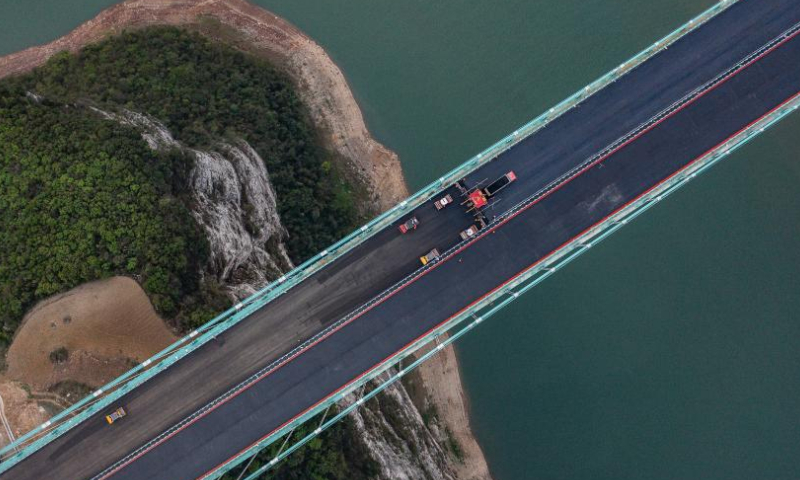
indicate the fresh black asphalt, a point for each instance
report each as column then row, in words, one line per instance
column 388, row 257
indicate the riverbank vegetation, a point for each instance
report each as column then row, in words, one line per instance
column 316, row 460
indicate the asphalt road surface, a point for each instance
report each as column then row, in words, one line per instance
column 371, row 302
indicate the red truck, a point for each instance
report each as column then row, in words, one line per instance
column 409, row 224
column 479, row 197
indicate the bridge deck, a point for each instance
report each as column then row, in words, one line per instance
column 602, row 155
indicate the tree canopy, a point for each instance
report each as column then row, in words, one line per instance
column 204, row 91
column 82, row 198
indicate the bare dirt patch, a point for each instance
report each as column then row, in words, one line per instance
column 22, row 412
column 90, row 335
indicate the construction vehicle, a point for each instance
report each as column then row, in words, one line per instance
column 429, row 257
column 409, row 224
column 478, row 197
column 115, row 415
column 443, row 202
column 470, row 232
column 499, row 184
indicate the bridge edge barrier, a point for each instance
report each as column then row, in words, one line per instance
column 116, row 388
column 500, row 299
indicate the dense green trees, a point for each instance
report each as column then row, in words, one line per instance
column 82, row 198
column 334, row 455
column 203, row 92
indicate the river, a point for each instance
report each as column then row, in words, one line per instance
column 667, row 352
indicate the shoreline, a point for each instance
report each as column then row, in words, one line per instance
column 321, row 84
column 333, row 110
column 441, row 378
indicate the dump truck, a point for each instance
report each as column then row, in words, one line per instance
column 479, row 197
column 499, row 184
column 469, row 232
column 429, row 257
column 115, row 415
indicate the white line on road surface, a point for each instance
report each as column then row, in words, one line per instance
column 610, row 149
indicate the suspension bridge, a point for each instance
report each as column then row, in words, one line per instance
column 428, row 271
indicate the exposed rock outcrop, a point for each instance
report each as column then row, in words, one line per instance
column 236, row 205
column 234, row 202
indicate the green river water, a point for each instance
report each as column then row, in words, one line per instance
column 670, row 351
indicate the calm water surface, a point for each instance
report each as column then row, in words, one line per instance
column 667, row 352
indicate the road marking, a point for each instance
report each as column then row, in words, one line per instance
column 480, row 319
column 247, row 383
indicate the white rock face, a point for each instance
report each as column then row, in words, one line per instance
column 153, row 132
column 36, row 98
column 236, row 205
column 392, row 429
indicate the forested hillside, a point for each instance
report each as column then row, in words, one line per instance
column 203, row 92
column 82, row 197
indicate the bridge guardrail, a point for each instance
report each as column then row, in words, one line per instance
column 104, row 396
column 504, row 296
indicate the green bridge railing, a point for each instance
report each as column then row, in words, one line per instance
column 101, row 398
column 460, row 325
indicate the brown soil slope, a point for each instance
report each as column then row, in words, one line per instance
column 103, row 327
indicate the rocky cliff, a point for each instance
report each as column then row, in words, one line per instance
column 248, row 243
column 234, row 202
